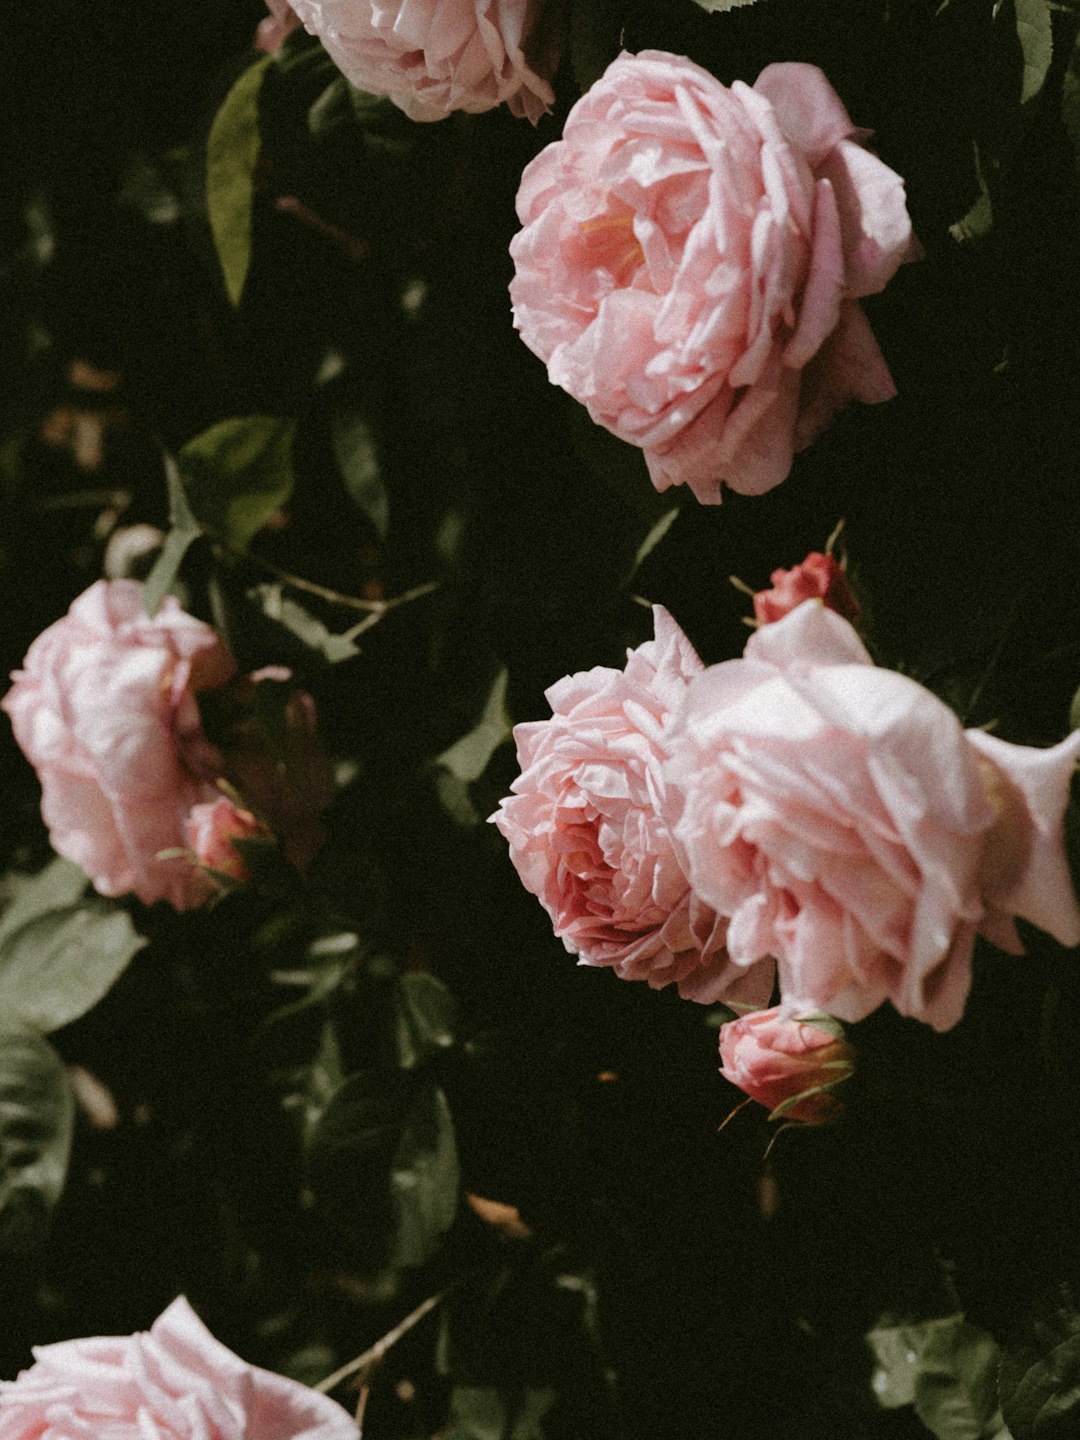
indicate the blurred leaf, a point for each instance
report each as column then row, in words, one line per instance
column 382, row 1163
column 1070, row 102
column 232, row 151
column 185, row 530
column 60, row 883
column 425, row 1019
column 237, row 473
column 653, row 538
column 467, row 758
column 57, row 966
column 1039, row 1380
column 716, row 6
column 483, row 1414
column 299, row 621
column 1033, row 30
column 955, row 1385
column 37, row 1112
column 358, row 460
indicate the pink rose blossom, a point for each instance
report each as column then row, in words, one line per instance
column 211, row 829
column 585, row 831
column 818, row 577
column 105, row 711
column 435, row 56
column 272, row 31
column 174, row 1383
column 692, row 263
column 847, row 825
column 777, row 1057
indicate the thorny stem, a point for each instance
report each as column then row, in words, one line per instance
column 371, row 1357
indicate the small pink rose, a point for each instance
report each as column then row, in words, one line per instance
column 213, row 826
column 105, row 710
column 818, row 577
column 174, row 1383
column 853, row 832
column 692, row 261
column 778, row 1058
column 585, row 829
column 431, row 57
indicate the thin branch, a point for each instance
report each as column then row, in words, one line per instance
column 371, row 1357
column 337, row 597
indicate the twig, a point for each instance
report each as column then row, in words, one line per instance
column 371, row 1357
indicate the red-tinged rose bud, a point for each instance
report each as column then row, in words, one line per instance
column 790, row 1063
column 211, row 830
column 819, row 577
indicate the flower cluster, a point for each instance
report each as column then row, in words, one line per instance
column 106, row 709
column 175, row 1382
column 797, row 815
column 692, row 262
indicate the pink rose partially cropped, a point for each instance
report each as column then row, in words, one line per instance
column 431, row 57
column 692, row 263
column 281, row 21
column 787, row 1062
column 818, row 577
column 175, row 1382
column 586, row 835
column 847, row 825
column 105, row 711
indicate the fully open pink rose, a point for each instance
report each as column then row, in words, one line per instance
column 174, row 1383
column 848, row 826
column 818, row 577
column 692, row 262
column 435, row 56
column 778, row 1058
column 104, row 709
column 586, row 835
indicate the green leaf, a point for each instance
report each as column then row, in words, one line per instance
column 299, row 621
column 232, row 151
column 467, row 758
column 486, row 1414
column 56, row 966
column 358, row 460
column 425, row 1178
column 1034, row 31
column 946, row 1369
column 237, row 473
column 653, row 538
column 425, row 1019
column 185, row 530
column 1039, row 1380
column 60, row 883
column 37, row 1114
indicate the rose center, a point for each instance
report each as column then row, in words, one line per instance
column 610, row 244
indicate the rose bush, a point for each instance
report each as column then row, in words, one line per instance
column 818, row 577
column 848, row 826
column 692, row 260
column 585, row 830
column 105, row 710
column 175, row 1382
column 437, row 56
column 778, row 1058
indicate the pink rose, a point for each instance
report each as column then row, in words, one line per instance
column 105, row 711
column 778, row 1058
column 434, row 56
column 585, row 830
column 279, row 23
column 847, row 825
column 818, row 577
column 692, row 262
column 211, row 829
column 175, row 1383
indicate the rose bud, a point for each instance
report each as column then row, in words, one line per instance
column 211, row 829
column 818, row 577
column 789, row 1063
